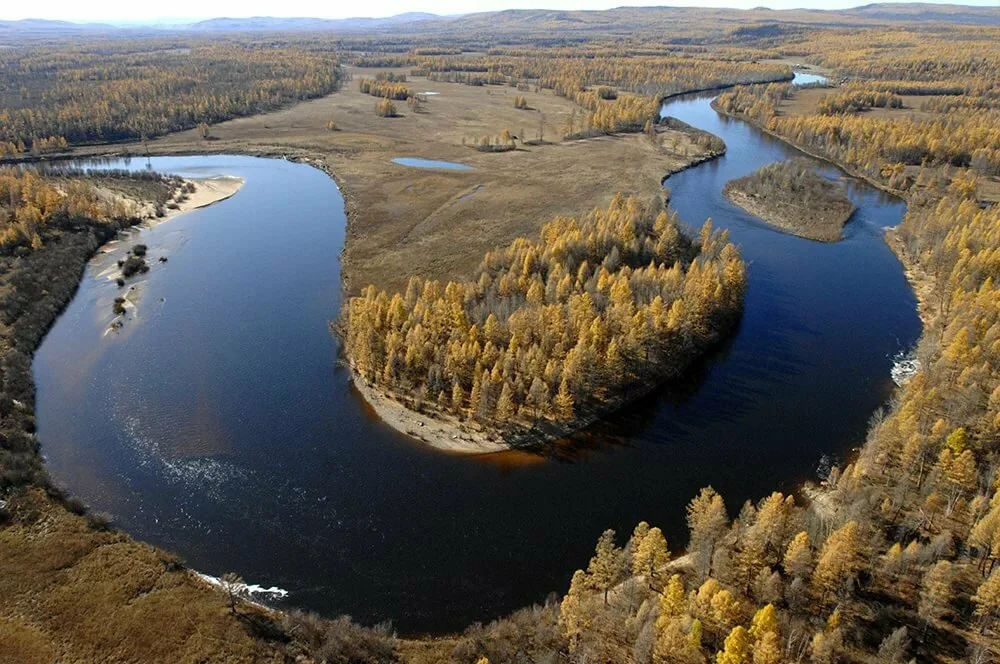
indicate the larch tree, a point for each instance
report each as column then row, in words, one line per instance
column 651, row 555
column 737, row 647
column 608, row 564
column 764, row 620
column 707, row 520
column 987, row 601
column 798, row 557
column 937, row 592
column 894, row 648
column 767, row 649
column 673, row 599
column 572, row 614
column 839, row 561
column 726, row 609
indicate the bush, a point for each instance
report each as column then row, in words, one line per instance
column 606, row 92
column 133, row 265
column 139, row 250
column 385, row 109
column 341, row 639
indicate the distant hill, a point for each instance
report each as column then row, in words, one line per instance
column 919, row 11
column 42, row 27
column 272, row 24
column 622, row 20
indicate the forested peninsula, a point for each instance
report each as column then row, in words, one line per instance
column 549, row 334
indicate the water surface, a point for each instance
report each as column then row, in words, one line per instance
column 219, row 425
column 416, row 162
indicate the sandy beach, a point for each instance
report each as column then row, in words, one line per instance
column 447, row 435
column 207, row 191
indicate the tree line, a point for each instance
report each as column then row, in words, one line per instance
column 30, row 202
column 111, row 91
column 964, row 137
column 894, row 557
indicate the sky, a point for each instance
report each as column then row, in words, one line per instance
column 130, row 10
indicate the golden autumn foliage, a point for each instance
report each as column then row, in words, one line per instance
column 386, row 89
column 52, row 95
column 556, row 328
column 29, row 202
column 961, row 137
column 913, row 523
column 567, row 74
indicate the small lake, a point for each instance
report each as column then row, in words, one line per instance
column 416, row 162
column 218, row 424
column 806, row 78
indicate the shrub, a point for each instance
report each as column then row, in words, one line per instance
column 133, row 265
column 607, row 92
column 341, row 639
column 385, row 109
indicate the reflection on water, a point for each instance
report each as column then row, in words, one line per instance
column 221, row 426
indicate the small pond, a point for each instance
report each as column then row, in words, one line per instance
column 417, row 162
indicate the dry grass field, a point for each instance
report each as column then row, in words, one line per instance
column 405, row 220
column 75, row 594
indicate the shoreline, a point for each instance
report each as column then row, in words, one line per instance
column 440, row 434
column 726, row 86
column 898, row 193
column 919, row 282
column 447, row 434
column 208, row 191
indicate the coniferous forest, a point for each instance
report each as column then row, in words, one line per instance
column 556, row 329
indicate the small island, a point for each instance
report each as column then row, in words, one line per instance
column 793, row 198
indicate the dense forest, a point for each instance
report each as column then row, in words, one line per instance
column 85, row 92
column 892, row 560
column 556, row 329
column 958, row 122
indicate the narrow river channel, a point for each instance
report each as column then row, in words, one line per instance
column 218, row 425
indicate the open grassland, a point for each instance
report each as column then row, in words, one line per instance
column 405, row 221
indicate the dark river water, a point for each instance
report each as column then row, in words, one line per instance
column 218, row 425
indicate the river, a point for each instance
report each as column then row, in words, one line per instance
column 217, row 423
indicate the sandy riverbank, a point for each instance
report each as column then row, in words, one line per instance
column 194, row 194
column 447, row 435
column 207, row 191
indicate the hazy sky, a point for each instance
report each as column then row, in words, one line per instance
column 131, row 10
